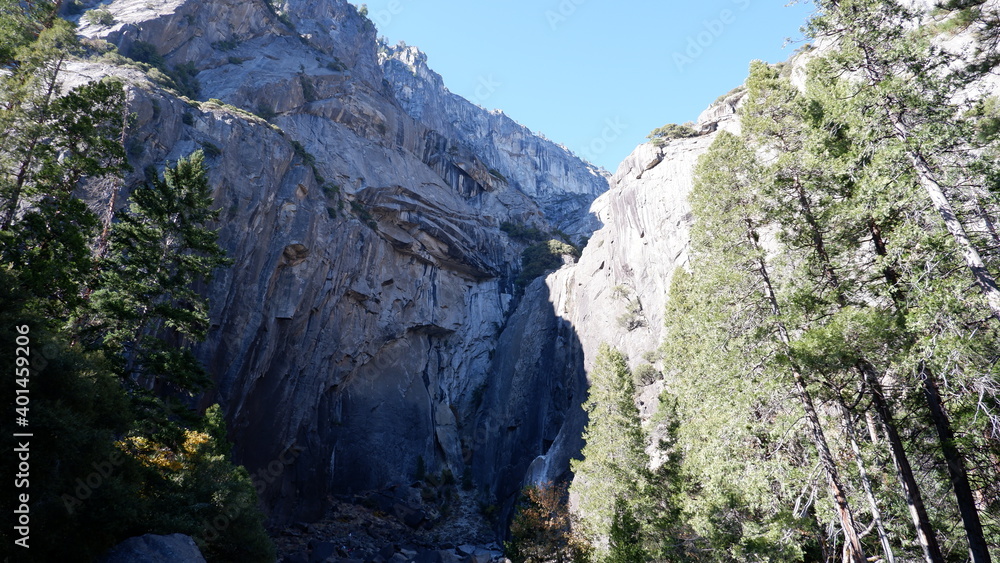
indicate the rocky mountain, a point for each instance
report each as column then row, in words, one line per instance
column 370, row 328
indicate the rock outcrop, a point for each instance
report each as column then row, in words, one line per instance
column 547, row 172
column 617, row 292
column 175, row 548
column 370, row 324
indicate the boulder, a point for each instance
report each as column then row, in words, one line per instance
column 175, row 548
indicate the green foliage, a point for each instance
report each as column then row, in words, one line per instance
column 185, row 76
column 147, row 303
column 56, row 144
column 228, row 44
column 646, row 374
column 363, row 214
column 20, row 24
column 543, row 257
column 266, row 112
column 661, row 135
column 210, row 149
column 181, row 77
column 614, row 464
column 521, row 232
column 145, row 52
column 111, row 457
column 633, row 317
column 624, row 541
column 99, row 16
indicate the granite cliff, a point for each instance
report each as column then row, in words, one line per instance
column 370, row 326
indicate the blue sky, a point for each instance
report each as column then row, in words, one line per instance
column 594, row 75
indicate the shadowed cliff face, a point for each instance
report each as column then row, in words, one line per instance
column 369, row 321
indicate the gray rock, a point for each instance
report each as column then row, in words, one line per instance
column 387, row 552
column 369, row 306
column 321, row 551
column 449, row 556
column 428, row 556
column 175, row 548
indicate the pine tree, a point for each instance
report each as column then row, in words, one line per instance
column 814, row 192
column 615, row 464
column 624, row 539
column 147, row 305
column 912, row 86
column 51, row 144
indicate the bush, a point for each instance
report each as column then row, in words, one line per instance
column 670, row 131
column 265, row 112
column 144, row 52
column 210, row 149
column 185, row 75
column 543, row 257
column 542, row 530
column 632, row 318
column 98, row 488
column 645, row 374
column 522, row 233
column 181, row 77
column 227, row 44
column 99, row 17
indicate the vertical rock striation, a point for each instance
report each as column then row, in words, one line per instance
column 369, row 324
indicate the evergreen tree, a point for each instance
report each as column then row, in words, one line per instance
column 814, row 190
column 148, row 307
column 51, row 144
column 615, row 464
column 624, row 540
column 913, row 87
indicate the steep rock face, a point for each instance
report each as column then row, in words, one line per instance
column 530, row 422
column 617, row 292
column 361, row 330
column 535, row 166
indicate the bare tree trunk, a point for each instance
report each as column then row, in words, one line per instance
column 984, row 279
column 914, row 500
column 866, row 483
column 978, row 550
column 956, row 463
column 853, row 550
